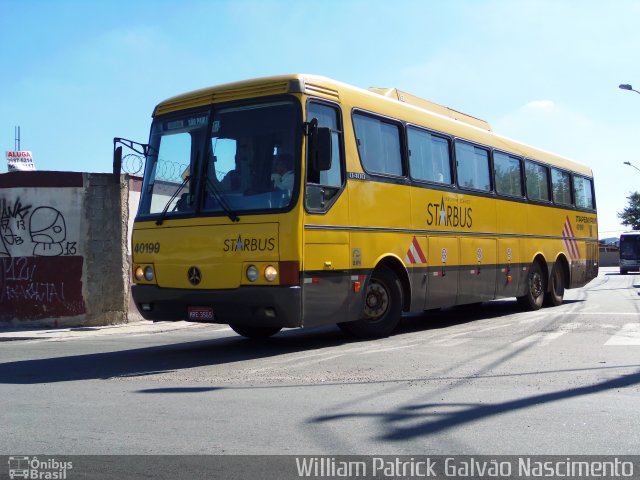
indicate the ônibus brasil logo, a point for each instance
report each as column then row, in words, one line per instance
column 34, row 468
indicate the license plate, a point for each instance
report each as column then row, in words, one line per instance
column 200, row 314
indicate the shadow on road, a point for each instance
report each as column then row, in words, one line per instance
column 418, row 420
column 218, row 351
column 162, row 358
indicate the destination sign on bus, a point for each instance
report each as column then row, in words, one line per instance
column 186, row 122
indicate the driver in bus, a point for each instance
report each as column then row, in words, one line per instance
column 283, row 177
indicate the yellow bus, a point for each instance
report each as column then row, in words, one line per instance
column 297, row 200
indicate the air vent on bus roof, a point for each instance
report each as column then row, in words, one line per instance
column 431, row 106
column 273, row 88
column 313, row 88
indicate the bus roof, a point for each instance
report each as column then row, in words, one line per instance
column 431, row 106
column 387, row 101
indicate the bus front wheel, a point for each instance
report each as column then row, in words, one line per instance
column 255, row 332
column 382, row 306
column 536, row 286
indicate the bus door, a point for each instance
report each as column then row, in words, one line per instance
column 326, row 256
column 442, row 276
column 477, row 282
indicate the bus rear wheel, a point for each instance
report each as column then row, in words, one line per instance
column 255, row 332
column 536, row 286
column 382, row 306
column 555, row 295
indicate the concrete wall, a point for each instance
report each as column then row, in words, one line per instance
column 64, row 248
column 609, row 259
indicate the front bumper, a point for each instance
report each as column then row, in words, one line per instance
column 273, row 306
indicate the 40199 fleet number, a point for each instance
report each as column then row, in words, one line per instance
column 147, row 247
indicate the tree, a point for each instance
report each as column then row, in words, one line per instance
column 630, row 216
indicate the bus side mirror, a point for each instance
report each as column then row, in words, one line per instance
column 117, row 160
column 323, row 149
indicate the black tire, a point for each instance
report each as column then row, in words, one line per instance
column 255, row 332
column 536, row 287
column 382, row 309
column 555, row 295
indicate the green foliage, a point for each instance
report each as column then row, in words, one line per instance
column 630, row 216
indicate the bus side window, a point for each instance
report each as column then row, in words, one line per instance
column 508, row 174
column 429, row 156
column 473, row 166
column 561, row 186
column 324, row 186
column 379, row 144
column 583, row 189
column 537, row 181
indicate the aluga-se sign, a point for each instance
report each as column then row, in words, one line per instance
column 20, row 161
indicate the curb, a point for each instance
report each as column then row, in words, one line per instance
column 71, row 333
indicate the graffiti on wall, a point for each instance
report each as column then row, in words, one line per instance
column 40, row 269
column 40, row 287
column 43, row 227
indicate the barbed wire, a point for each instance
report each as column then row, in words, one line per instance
column 171, row 171
column 132, row 164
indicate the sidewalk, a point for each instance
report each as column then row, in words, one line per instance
column 134, row 328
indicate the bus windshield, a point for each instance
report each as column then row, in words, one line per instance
column 226, row 161
column 169, row 185
column 630, row 247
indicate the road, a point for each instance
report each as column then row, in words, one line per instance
column 483, row 380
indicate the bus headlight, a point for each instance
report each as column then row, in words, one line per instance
column 148, row 273
column 139, row 274
column 144, row 273
column 270, row 273
column 252, row 273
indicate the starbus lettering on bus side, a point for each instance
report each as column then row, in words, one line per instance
column 447, row 215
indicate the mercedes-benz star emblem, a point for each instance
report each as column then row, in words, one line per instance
column 195, row 275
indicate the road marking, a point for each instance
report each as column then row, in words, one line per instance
column 629, row 334
column 532, row 317
column 389, row 349
column 542, row 339
column 488, row 329
column 452, row 340
column 318, row 360
column 452, row 343
column 598, row 313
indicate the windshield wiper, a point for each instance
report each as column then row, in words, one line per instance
column 223, row 203
column 173, row 197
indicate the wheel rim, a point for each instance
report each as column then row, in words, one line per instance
column 536, row 285
column 376, row 301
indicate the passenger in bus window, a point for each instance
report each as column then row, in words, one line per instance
column 231, row 180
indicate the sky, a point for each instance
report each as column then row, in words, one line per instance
column 75, row 74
